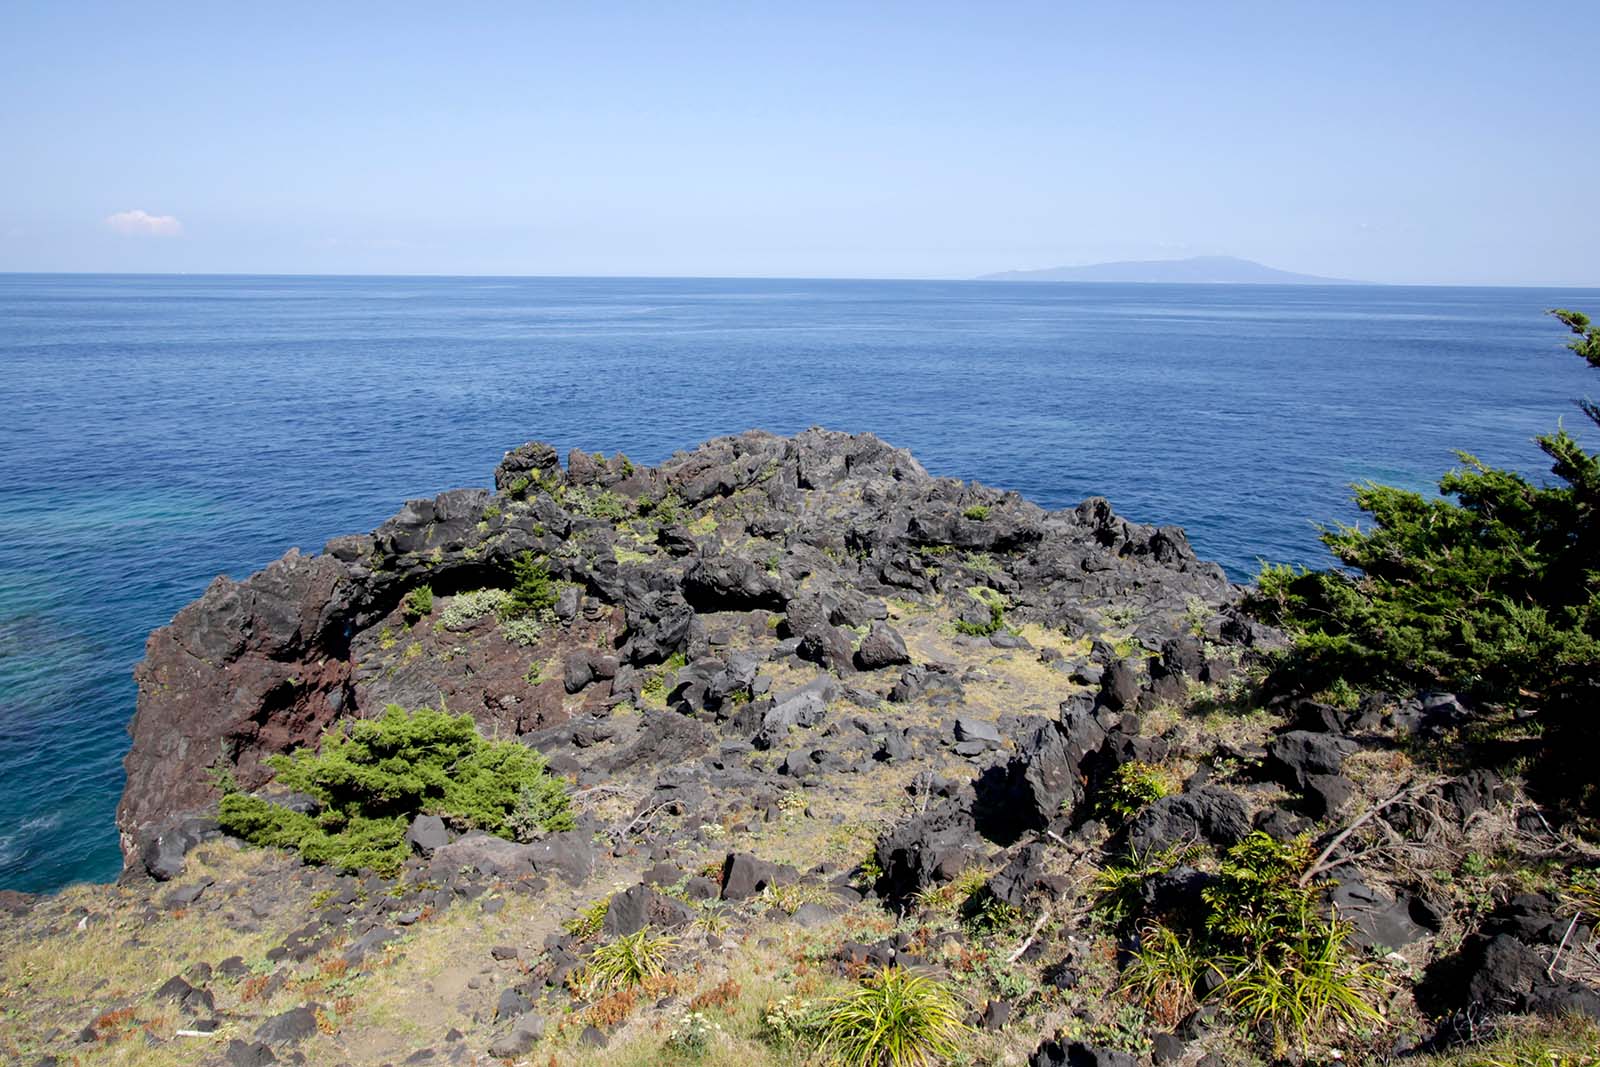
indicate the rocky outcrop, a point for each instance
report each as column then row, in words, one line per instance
column 820, row 527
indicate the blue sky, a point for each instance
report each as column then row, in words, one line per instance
column 1397, row 142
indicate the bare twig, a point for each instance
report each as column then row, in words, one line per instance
column 1321, row 864
column 1044, row 917
column 1550, row 971
column 640, row 820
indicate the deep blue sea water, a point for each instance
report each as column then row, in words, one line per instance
column 157, row 431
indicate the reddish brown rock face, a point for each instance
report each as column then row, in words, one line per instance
column 249, row 669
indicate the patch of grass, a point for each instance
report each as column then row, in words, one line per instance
column 1535, row 1041
column 626, row 963
column 372, row 776
column 977, row 512
column 894, row 1019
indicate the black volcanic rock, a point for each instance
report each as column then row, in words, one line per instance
column 819, row 529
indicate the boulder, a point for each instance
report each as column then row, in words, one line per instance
column 639, row 906
column 1293, row 757
column 1211, row 814
column 289, row 1028
column 1044, row 777
column 927, row 849
column 805, row 709
column 526, row 463
column 882, row 647
column 1376, row 919
column 731, row 583
column 427, row 833
column 744, row 875
column 827, row 646
column 1078, row 1054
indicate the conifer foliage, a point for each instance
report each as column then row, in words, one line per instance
column 1492, row 590
column 372, row 776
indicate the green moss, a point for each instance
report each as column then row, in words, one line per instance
column 371, row 777
column 977, row 512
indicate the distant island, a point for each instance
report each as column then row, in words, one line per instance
column 1225, row 270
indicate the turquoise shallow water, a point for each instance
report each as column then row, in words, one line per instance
column 158, row 431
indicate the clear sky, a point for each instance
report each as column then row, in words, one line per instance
column 1396, row 141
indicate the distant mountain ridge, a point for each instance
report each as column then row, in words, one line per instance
column 1225, row 270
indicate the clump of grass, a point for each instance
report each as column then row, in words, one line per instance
column 952, row 895
column 1299, row 985
column 789, row 898
column 894, row 1019
column 1289, row 972
column 977, row 512
column 1163, row 974
column 627, row 962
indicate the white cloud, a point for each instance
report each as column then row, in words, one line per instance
column 138, row 223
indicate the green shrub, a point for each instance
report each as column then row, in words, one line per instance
column 693, row 1035
column 1493, row 590
column 465, row 607
column 523, row 631
column 977, row 512
column 1531, row 1041
column 372, row 776
column 625, row 963
column 894, row 1019
column 532, row 594
column 607, row 505
column 418, row 603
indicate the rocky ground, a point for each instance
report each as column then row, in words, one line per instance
column 821, row 712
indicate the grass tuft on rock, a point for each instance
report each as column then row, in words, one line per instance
column 371, row 777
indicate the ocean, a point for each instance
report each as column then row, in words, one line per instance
column 157, row 431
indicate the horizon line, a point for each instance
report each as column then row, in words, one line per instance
column 1337, row 284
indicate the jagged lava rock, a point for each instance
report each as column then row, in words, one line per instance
column 823, row 526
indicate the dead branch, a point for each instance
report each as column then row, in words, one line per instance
column 1322, row 865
